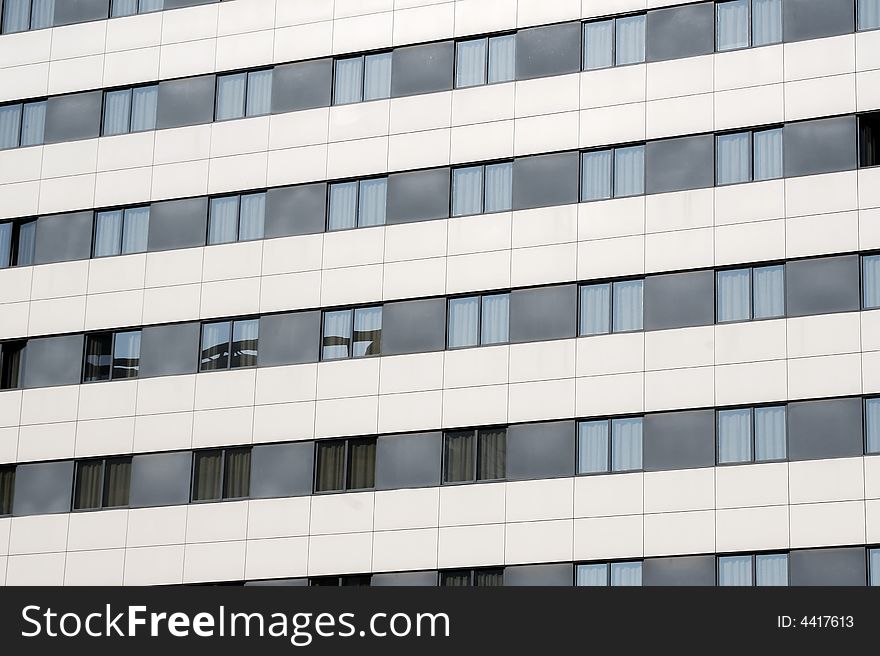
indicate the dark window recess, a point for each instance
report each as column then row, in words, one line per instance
column 112, row 356
column 475, row 455
column 353, row 580
column 7, row 489
column 351, row 333
column 480, row 578
column 869, row 139
column 103, row 483
column 342, row 465
column 17, row 241
column 229, row 344
column 221, row 474
column 11, row 354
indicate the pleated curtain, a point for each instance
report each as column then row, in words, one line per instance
column 467, row 191
column 734, row 435
column 630, row 40
column 230, row 96
column 377, row 76
column 770, row 433
column 223, row 220
column 259, row 93
column 768, row 291
column 245, row 340
column 498, row 193
column 871, row 281
column 10, row 126
column 337, row 335
column 768, row 154
column 464, row 316
column 734, row 156
column 735, row 571
column 27, row 236
column 595, row 309
column 732, row 25
column 349, row 83
column 458, row 457
column 361, row 464
column 208, row 475
column 16, row 15
column 495, row 319
column 117, row 112
column 117, row 482
column 471, row 63
column 766, row 22
column 626, row 574
column 596, row 175
column 331, row 466
column 88, row 484
column 592, row 575
column 872, row 424
column 629, row 171
column 627, row 313
column 598, row 44
column 734, row 295
column 108, row 233
column 491, row 454
column 143, row 108
column 252, row 215
column 136, row 229
column 626, row 444
column 502, row 58
column 771, row 569
column 33, row 123
column 343, row 206
column 367, row 332
column 123, row 8
column 237, row 474
column 5, row 245
column 371, row 208
column 215, row 345
column 592, row 446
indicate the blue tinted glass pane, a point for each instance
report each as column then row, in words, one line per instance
column 733, row 158
column 771, row 569
column 598, row 44
column 734, row 435
column 872, row 425
column 871, row 282
column 735, row 570
column 117, row 112
column 464, row 317
column 259, row 93
column 768, row 154
column 627, row 306
column 27, row 235
column 223, row 220
column 592, row 575
column 10, row 126
column 123, row 8
column 626, row 574
column 732, row 25
column 230, row 96
column 147, row 6
column 366, row 338
column 373, row 196
column 592, row 447
column 768, row 291
column 869, row 19
column 470, row 62
column 245, row 340
column 143, row 108
column 734, row 295
column 596, row 175
column 770, row 442
column 343, row 206
column 16, row 16
column 630, row 46
column 377, row 76
column 629, row 171
column 766, row 22
column 495, row 319
column 499, row 187
column 595, row 315
column 626, row 444
column 136, row 230
column 874, row 564
column 108, row 233
column 349, row 83
column 502, row 58
column 337, row 335
column 5, row 245
column 252, row 216
column 215, row 346
column 42, row 14
column 33, row 123
column 467, row 191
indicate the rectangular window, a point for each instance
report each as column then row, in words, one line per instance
column 751, row 435
column 478, row 320
column 869, row 138
column 868, row 19
column 23, row 15
column 609, row 445
column 611, row 307
column 475, row 455
column 121, row 232
column 17, row 241
column 7, row 488
column 753, row 570
column 613, row 173
column 747, row 23
column 22, row 125
column 357, row 204
column 872, row 425
column 243, row 94
column 609, row 574
column 481, row 578
column 11, row 355
column 352, row 333
column 237, row 218
column 614, row 42
column 221, row 474
column 871, row 282
column 748, row 156
column 485, row 61
column 342, row 465
column 347, row 581
column 131, row 7
column 482, row 189
column 112, row 356
column 746, row 294
column 229, row 344
column 362, row 78
column 874, row 566
column 130, row 110
column 103, row 483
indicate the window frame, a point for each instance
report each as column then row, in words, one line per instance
column 753, row 435
column 238, row 196
column 751, row 269
column 751, row 132
column 863, row 306
column 20, row 345
column 479, row 296
column 346, row 464
column 138, row 11
column 130, row 90
column 229, row 343
column 867, row 398
column 357, row 204
column 613, row 177
column 482, row 166
column 754, row 565
column 247, row 82
column 612, row 282
column 476, row 433
column 4, row 469
column 488, row 38
column 223, row 457
column 351, row 342
column 30, row 27
column 77, row 463
column 122, row 233
column 608, row 566
column 866, row 121
column 613, row 19
column 15, row 242
column 751, row 27
column 113, row 334
column 609, row 419
column 471, row 573
column 22, row 104
column 363, row 59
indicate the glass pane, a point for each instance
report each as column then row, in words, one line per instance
column 108, row 233
column 502, row 58
column 463, row 321
column 88, row 484
column 592, row 575
column 5, row 245
column 768, row 154
column 33, row 123
column 143, row 108
column 377, row 82
column 259, row 93
column 626, row 574
column 627, row 306
column 488, row 578
column 495, row 319
column 126, row 354
column 869, row 19
column 252, row 217
column 595, row 316
column 215, row 346
column 245, row 341
column 343, row 206
column 337, row 335
column 874, row 564
column 230, row 96
column 7, row 487
column 629, row 171
column 330, row 466
column 371, row 209
column 771, row 569
column 366, row 338
column 207, row 475
column 770, row 442
column 598, row 44
column 98, row 358
column 10, row 126
column 735, row 570
column 42, row 14
column 117, row 482
column 626, row 444
column 592, row 447
column 361, row 464
column 734, row 295
column 733, row 158
column 117, row 112
column 27, row 235
column 499, row 187
column 596, row 175
column 10, row 364
column 492, row 454
column 470, row 62
column 237, row 474
column 766, row 22
column 735, row 435
column 136, row 230
column 630, row 46
column 147, row 6
column 223, row 220
column 871, row 281
column 123, row 8
column 16, row 16
column 458, row 457
column 768, row 291
column 456, row 579
column 349, row 82
column 732, row 25
column 467, row 191
column 872, row 425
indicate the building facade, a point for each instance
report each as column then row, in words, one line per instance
column 419, row 292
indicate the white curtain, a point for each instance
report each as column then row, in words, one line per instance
column 734, row 154
column 732, row 25
column 869, row 14
column 626, row 574
column 463, row 321
column 27, row 235
column 5, row 245
column 592, row 575
column 596, row 175
column 230, row 96
column 10, row 125
column 470, row 63
column 146, row 6
column 592, row 446
column 495, row 319
column 458, row 457
column 771, row 569
column 143, row 108
column 108, row 233
column 126, row 354
column 135, row 230
column 259, row 93
column 768, row 291
column 42, row 14
column 223, row 223
column 735, row 570
column 872, row 424
column 768, row 154
column 598, row 44
column 467, row 191
column 343, row 206
column 16, row 15
column 123, row 8
column 117, row 112
column 629, row 171
column 367, row 333
column 627, row 306
column 252, row 217
column 215, row 345
column 371, row 209
column 770, row 433
column 734, row 295
column 33, row 121
column 875, row 566
column 377, row 76
column 499, row 187
column 337, row 335
column 630, row 35
column 735, row 435
column 349, row 85
column 766, row 22
column 595, row 309
column 502, row 58
column 871, row 283
column 626, row 444
column 245, row 338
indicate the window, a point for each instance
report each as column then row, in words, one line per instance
column 112, row 356
column 478, row 320
column 749, row 570
column 7, row 488
column 752, row 293
column 357, row 204
column 349, row 580
column 869, row 139
column 611, row 307
column 121, row 232
column 871, row 282
column 747, row 23
column 243, row 94
column 342, row 465
column 614, row 42
column 485, row 61
column 352, row 333
column 613, row 574
column 132, row 7
column 229, row 344
column 237, row 218
column 873, row 563
column 609, row 445
column 747, row 156
column 11, row 354
column 612, row 173
column 23, row 15
column 480, row 578
column 221, row 474
column 365, row 77
column 872, row 425
column 22, row 124
column 475, row 455
column 752, row 434
column 17, row 241
column 868, row 14
column 130, row 110
column 482, row 189
column 103, row 483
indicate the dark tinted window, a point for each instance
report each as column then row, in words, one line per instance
column 345, row 465
column 845, row 566
column 42, row 488
column 112, row 356
column 475, row 455
column 545, row 51
column 299, row 210
column 822, row 285
column 679, row 571
column 75, row 116
column 544, row 450
column 680, row 164
column 80, row 11
column 679, row 440
column 825, row 429
column 679, row 300
column 11, row 359
column 53, row 361
column 302, row 85
column 289, row 338
column 545, row 180
column 63, row 238
column 102, row 483
column 561, row 574
column 189, row 101
column 814, row 19
column 160, row 479
column 679, row 32
column 543, row 313
column 282, row 470
column 229, row 344
column 418, row 196
column 178, row 224
column 221, row 474
column 422, row 69
column 824, row 145
column 408, row 460
column 170, row 350
column 413, row 326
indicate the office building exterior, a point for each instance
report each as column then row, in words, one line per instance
column 434, row 292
